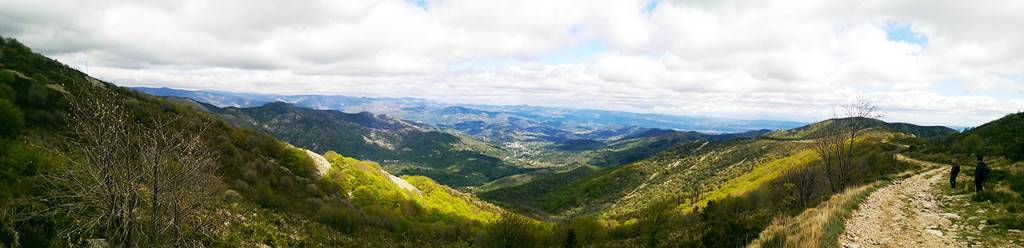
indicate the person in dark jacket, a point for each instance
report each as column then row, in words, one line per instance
column 953, row 173
column 980, row 175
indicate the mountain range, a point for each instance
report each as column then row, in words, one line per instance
column 488, row 122
column 399, row 146
column 337, row 171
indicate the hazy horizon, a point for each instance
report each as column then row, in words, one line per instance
column 733, row 117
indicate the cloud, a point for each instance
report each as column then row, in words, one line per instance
column 735, row 58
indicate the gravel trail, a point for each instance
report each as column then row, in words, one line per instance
column 904, row 214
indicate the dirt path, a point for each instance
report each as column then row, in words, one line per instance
column 904, row 214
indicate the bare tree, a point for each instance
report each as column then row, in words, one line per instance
column 135, row 180
column 828, row 146
column 804, row 181
column 835, row 143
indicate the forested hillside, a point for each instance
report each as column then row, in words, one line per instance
column 698, row 171
column 401, row 147
column 710, row 193
column 1002, row 137
column 61, row 126
column 644, row 144
column 815, row 130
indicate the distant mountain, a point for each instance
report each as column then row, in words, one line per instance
column 814, row 130
column 642, row 145
column 401, row 147
column 488, row 122
column 618, row 118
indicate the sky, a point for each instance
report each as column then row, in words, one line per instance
column 931, row 62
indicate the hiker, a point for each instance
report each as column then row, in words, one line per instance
column 953, row 173
column 980, row 175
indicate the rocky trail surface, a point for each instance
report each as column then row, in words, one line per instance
column 906, row 213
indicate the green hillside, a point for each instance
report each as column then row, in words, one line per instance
column 400, row 147
column 265, row 190
column 676, row 170
column 640, row 146
column 701, row 193
column 699, row 171
column 645, row 144
column 814, row 130
column 1002, row 137
column 375, row 192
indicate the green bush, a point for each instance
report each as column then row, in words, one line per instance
column 6, row 92
column 11, row 119
column 21, row 167
column 513, row 231
column 1008, row 222
column 995, row 196
column 338, row 217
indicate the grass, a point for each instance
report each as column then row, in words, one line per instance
column 819, row 226
column 248, row 225
column 760, row 175
column 509, row 181
column 993, row 218
column 446, row 201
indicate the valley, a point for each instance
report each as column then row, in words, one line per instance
column 338, row 171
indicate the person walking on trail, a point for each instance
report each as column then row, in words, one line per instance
column 980, row 175
column 953, row 173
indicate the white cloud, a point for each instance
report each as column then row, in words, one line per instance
column 739, row 58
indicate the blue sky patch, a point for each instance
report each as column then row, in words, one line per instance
column 421, row 3
column 949, row 87
column 902, row 32
column 580, row 53
column 650, row 6
column 1018, row 77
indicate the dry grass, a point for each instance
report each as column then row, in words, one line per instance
column 815, row 227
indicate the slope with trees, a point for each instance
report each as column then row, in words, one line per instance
column 697, row 192
column 1002, row 137
column 83, row 162
column 709, row 193
column 401, row 147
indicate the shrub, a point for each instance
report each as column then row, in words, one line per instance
column 1008, row 222
column 11, row 119
column 995, row 196
column 337, row 217
column 512, row 231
